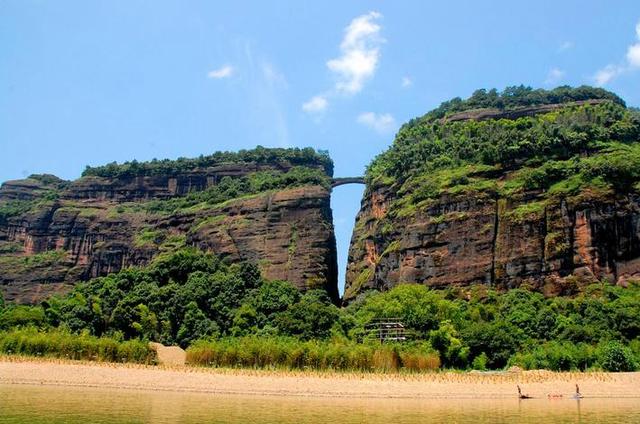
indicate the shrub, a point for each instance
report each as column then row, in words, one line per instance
column 61, row 344
column 480, row 362
column 614, row 356
column 21, row 316
column 290, row 353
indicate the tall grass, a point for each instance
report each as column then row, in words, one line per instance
column 61, row 344
column 288, row 353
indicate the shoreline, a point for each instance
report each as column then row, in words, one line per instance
column 323, row 384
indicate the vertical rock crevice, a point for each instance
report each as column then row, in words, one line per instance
column 494, row 240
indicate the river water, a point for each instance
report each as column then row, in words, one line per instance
column 53, row 404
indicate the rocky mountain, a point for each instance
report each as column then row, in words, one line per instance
column 267, row 206
column 521, row 188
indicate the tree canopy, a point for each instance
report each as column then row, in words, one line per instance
column 260, row 155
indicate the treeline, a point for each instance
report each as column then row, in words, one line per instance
column 179, row 298
column 518, row 96
column 260, row 155
column 230, row 316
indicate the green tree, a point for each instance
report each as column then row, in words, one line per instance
column 450, row 347
column 616, row 357
column 22, row 316
column 146, row 324
column 310, row 318
column 273, row 297
column 195, row 326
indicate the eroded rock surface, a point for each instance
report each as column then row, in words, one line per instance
column 96, row 226
column 460, row 241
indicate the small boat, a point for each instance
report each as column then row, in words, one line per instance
column 521, row 395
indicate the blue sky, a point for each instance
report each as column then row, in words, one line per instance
column 89, row 82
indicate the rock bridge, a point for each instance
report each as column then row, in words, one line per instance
column 335, row 182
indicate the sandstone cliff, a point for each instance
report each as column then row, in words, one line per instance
column 54, row 233
column 514, row 204
column 460, row 241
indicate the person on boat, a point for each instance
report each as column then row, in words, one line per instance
column 520, row 395
column 578, row 395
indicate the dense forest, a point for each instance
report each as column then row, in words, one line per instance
column 193, row 299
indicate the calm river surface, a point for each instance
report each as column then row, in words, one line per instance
column 50, row 404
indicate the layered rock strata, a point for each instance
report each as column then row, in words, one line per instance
column 95, row 226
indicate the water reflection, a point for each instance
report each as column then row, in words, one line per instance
column 49, row 404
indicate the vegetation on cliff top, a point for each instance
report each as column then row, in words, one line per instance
column 243, row 320
column 232, row 188
column 291, row 168
column 260, row 155
column 516, row 97
column 576, row 147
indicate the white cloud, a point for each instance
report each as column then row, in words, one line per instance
column 554, row 76
column 606, row 74
column 631, row 63
column 223, row 72
column 381, row 123
column 566, row 45
column 406, row 82
column 633, row 55
column 360, row 49
column 316, row 104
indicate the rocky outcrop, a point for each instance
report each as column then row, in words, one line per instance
column 289, row 234
column 485, row 114
column 95, row 226
column 161, row 186
column 466, row 240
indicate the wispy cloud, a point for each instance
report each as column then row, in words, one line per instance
column 381, row 123
column 608, row 73
column 630, row 64
column 357, row 63
column 316, row 104
column 554, row 76
column 223, row 72
column 265, row 84
column 272, row 75
column 360, row 49
column 406, row 82
column 564, row 46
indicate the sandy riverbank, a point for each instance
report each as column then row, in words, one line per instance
column 14, row 370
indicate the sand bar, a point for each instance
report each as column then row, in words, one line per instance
column 441, row 385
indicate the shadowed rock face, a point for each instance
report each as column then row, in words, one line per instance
column 96, row 226
column 460, row 241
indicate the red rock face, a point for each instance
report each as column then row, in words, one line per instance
column 96, row 227
column 461, row 241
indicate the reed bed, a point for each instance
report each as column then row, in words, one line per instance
column 61, row 344
column 292, row 354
